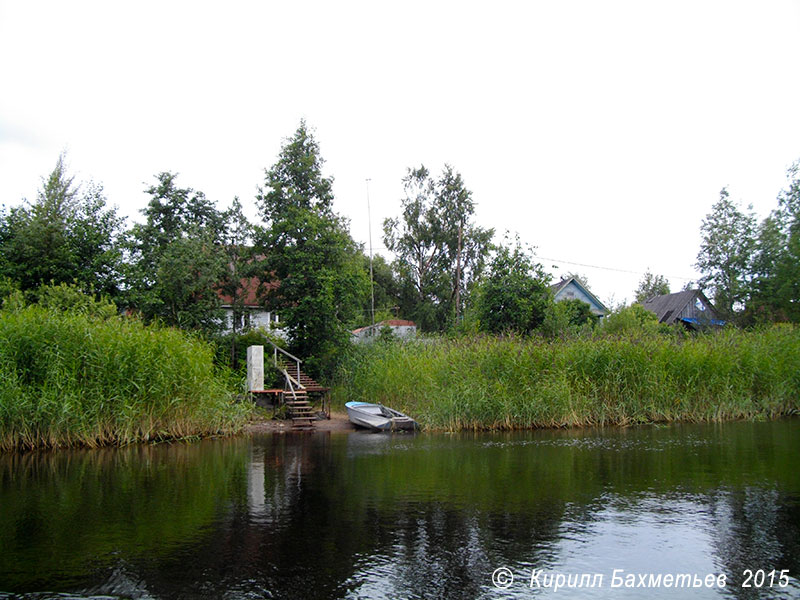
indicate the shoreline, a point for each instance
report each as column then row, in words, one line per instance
column 338, row 423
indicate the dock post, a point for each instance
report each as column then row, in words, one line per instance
column 255, row 368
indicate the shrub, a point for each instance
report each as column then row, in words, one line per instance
column 72, row 378
column 509, row 382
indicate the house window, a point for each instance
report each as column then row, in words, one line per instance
column 240, row 321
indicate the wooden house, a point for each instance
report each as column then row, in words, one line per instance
column 572, row 289
column 689, row 307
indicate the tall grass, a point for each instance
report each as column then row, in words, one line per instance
column 71, row 379
column 513, row 383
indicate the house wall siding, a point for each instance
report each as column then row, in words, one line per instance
column 399, row 331
column 691, row 311
column 258, row 319
column 571, row 291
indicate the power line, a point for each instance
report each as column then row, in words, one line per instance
column 567, row 262
column 577, row 264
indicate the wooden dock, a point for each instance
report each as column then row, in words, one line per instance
column 299, row 392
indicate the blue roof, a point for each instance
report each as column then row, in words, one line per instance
column 697, row 321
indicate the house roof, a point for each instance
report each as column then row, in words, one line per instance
column 557, row 288
column 397, row 323
column 249, row 293
column 669, row 307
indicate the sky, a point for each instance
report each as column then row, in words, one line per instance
column 599, row 132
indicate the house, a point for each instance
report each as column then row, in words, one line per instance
column 251, row 313
column 400, row 329
column 571, row 288
column 689, row 307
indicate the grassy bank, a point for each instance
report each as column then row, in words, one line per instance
column 69, row 379
column 511, row 383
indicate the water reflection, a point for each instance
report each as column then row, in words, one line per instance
column 425, row 516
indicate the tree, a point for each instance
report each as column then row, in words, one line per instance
column 724, row 257
column 515, row 294
column 440, row 252
column 568, row 316
column 387, row 291
column 68, row 235
column 238, row 276
column 177, row 258
column 771, row 245
column 651, row 285
column 308, row 253
column 776, row 263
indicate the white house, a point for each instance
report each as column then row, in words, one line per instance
column 400, row 329
column 251, row 314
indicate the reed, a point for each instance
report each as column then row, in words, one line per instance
column 501, row 383
column 71, row 379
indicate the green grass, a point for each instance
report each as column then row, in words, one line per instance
column 70, row 379
column 514, row 383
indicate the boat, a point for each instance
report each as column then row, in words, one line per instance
column 378, row 417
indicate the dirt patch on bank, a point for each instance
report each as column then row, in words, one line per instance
column 262, row 423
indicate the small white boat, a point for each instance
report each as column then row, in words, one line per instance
column 378, row 417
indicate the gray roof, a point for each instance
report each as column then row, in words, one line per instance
column 669, row 306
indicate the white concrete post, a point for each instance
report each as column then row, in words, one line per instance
column 255, row 368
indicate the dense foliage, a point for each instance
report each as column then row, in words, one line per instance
column 752, row 271
column 177, row 260
column 521, row 382
column 67, row 235
column 440, row 251
column 651, row 285
column 515, row 295
column 80, row 376
column 316, row 267
column 188, row 257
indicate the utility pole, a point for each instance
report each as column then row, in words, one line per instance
column 458, row 273
column 371, row 280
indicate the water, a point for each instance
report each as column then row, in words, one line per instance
column 409, row 516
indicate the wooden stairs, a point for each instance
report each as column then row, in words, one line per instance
column 299, row 409
column 298, row 385
column 306, row 381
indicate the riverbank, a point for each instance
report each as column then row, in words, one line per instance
column 505, row 383
column 263, row 423
column 75, row 380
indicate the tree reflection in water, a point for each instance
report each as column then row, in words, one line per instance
column 426, row 516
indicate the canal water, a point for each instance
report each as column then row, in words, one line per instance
column 611, row 513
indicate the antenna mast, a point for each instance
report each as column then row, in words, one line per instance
column 371, row 280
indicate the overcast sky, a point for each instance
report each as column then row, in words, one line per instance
column 601, row 132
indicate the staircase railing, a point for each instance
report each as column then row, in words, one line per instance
column 291, row 387
column 297, row 361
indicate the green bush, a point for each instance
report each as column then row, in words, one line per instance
column 71, row 378
column 240, row 342
column 511, row 382
column 69, row 298
column 631, row 320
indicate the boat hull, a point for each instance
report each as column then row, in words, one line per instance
column 378, row 417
